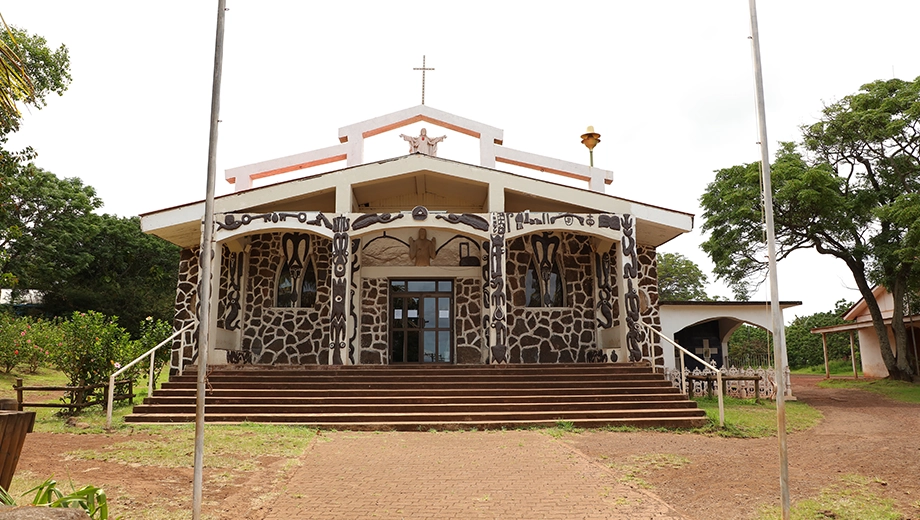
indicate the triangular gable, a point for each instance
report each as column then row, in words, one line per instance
column 499, row 190
column 351, row 150
column 860, row 311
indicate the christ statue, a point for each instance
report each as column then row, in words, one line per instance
column 422, row 144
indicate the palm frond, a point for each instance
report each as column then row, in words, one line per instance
column 14, row 82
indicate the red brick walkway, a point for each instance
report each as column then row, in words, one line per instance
column 455, row 475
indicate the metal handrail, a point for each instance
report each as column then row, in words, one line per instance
column 683, row 382
column 152, row 353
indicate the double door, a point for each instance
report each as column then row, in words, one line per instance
column 421, row 321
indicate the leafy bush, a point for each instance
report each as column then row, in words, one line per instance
column 91, row 499
column 749, row 342
column 152, row 332
column 92, row 347
column 36, row 344
column 9, row 337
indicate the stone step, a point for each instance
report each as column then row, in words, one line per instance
column 295, row 398
column 290, row 384
column 371, row 391
column 411, row 378
column 314, row 409
column 441, row 417
column 628, row 422
column 422, row 397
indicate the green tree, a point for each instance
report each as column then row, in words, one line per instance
column 680, row 279
column 806, row 349
column 748, row 342
column 852, row 197
column 45, row 223
column 128, row 274
column 29, row 73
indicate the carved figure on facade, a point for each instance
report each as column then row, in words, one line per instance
column 634, row 335
column 524, row 218
column 234, row 292
column 374, row 218
column 497, row 298
column 230, row 222
column 604, row 290
column 339, row 318
column 355, row 276
column 474, row 221
column 423, row 144
column 422, row 250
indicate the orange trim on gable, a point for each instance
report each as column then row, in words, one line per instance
column 563, row 173
column 310, row 164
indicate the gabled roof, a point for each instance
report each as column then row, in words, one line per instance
column 860, row 308
column 399, row 184
column 351, row 150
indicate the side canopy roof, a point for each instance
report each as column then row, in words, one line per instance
column 399, row 184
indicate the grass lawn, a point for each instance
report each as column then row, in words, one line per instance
column 838, row 367
column 746, row 419
column 897, row 390
column 853, row 498
column 48, row 420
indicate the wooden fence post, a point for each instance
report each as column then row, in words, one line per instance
column 19, row 392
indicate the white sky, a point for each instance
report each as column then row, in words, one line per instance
column 667, row 83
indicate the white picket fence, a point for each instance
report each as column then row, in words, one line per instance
column 739, row 389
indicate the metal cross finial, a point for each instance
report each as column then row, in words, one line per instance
column 423, row 69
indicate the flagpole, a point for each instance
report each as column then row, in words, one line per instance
column 204, row 261
column 779, row 346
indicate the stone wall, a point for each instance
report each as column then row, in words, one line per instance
column 375, row 346
column 275, row 335
column 467, row 320
column 184, row 351
column 552, row 334
column 648, row 303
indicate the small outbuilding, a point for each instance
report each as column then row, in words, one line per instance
column 861, row 324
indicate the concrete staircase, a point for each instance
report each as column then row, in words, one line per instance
column 413, row 397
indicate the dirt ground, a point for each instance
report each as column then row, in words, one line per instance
column 862, row 433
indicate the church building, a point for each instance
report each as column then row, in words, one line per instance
column 421, row 259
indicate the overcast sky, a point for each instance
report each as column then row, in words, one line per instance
column 667, row 83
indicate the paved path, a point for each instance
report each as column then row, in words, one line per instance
column 456, row 475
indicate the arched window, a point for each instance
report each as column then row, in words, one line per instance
column 544, row 284
column 555, row 288
column 533, row 295
column 308, row 286
column 297, row 277
column 286, row 297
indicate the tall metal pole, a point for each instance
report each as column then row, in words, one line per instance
column 779, row 346
column 204, row 264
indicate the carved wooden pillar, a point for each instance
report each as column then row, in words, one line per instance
column 341, row 325
column 213, row 315
column 354, row 298
column 496, row 311
column 632, row 333
column 604, row 298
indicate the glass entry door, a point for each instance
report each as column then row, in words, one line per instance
column 421, row 321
